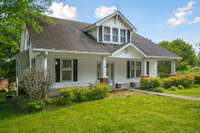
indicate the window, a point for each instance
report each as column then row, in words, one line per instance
column 132, row 67
column 66, row 70
column 106, row 33
column 138, row 69
column 115, row 35
column 122, row 36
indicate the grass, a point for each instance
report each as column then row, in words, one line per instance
column 194, row 92
column 129, row 113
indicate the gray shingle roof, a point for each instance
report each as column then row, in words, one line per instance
column 67, row 35
column 150, row 48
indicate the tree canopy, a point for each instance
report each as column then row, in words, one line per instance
column 14, row 16
column 182, row 49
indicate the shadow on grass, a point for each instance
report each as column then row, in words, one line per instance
column 7, row 108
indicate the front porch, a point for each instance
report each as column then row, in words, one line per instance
column 69, row 69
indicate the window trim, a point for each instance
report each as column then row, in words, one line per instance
column 117, row 35
column 125, row 36
column 61, row 70
column 106, row 33
column 135, row 70
column 111, row 35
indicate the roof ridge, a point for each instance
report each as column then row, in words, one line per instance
column 69, row 20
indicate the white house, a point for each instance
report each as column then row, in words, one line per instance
column 80, row 54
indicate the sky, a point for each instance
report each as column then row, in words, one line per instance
column 157, row 20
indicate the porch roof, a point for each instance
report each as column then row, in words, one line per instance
column 67, row 35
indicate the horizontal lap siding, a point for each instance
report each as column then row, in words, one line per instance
column 120, row 74
column 86, row 69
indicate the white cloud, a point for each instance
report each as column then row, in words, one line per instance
column 180, row 15
column 103, row 11
column 60, row 10
column 195, row 20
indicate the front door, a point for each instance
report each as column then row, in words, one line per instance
column 110, row 73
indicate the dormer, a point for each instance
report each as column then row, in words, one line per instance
column 114, row 29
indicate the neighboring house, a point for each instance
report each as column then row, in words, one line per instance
column 80, row 54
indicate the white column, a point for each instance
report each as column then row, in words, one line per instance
column 45, row 63
column 173, row 67
column 153, row 68
column 144, row 66
column 104, row 67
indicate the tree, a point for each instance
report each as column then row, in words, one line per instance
column 182, row 49
column 15, row 15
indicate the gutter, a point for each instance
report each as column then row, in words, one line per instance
column 65, row 51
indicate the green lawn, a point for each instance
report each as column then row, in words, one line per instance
column 195, row 92
column 117, row 114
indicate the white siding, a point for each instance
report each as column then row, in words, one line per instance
column 113, row 22
column 93, row 33
column 129, row 52
column 87, row 69
column 120, row 72
column 153, row 68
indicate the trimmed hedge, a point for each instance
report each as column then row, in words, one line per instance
column 186, row 80
column 180, row 81
column 149, row 83
column 81, row 94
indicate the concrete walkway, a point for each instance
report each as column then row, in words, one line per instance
column 166, row 95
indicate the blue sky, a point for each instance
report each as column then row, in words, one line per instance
column 151, row 18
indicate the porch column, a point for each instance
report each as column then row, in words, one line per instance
column 144, row 66
column 153, row 68
column 45, row 63
column 173, row 67
column 104, row 76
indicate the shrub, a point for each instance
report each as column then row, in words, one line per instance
column 81, row 94
column 35, row 106
column 186, row 80
column 197, row 79
column 159, row 89
column 27, row 105
column 173, row 88
column 180, row 87
column 149, row 83
column 35, row 84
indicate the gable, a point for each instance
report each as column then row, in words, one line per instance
column 116, row 14
column 116, row 22
column 128, row 52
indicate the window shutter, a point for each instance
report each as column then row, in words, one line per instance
column 128, row 69
column 147, row 67
column 57, row 70
column 128, row 36
column 100, row 33
column 75, row 70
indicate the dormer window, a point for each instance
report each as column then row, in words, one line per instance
column 107, row 34
column 122, row 35
column 115, row 35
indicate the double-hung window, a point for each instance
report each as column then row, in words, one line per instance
column 107, row 34
column 66, row 70
column 134, row 69
column 115, row 35
column 138, row 69
column 122, row 35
